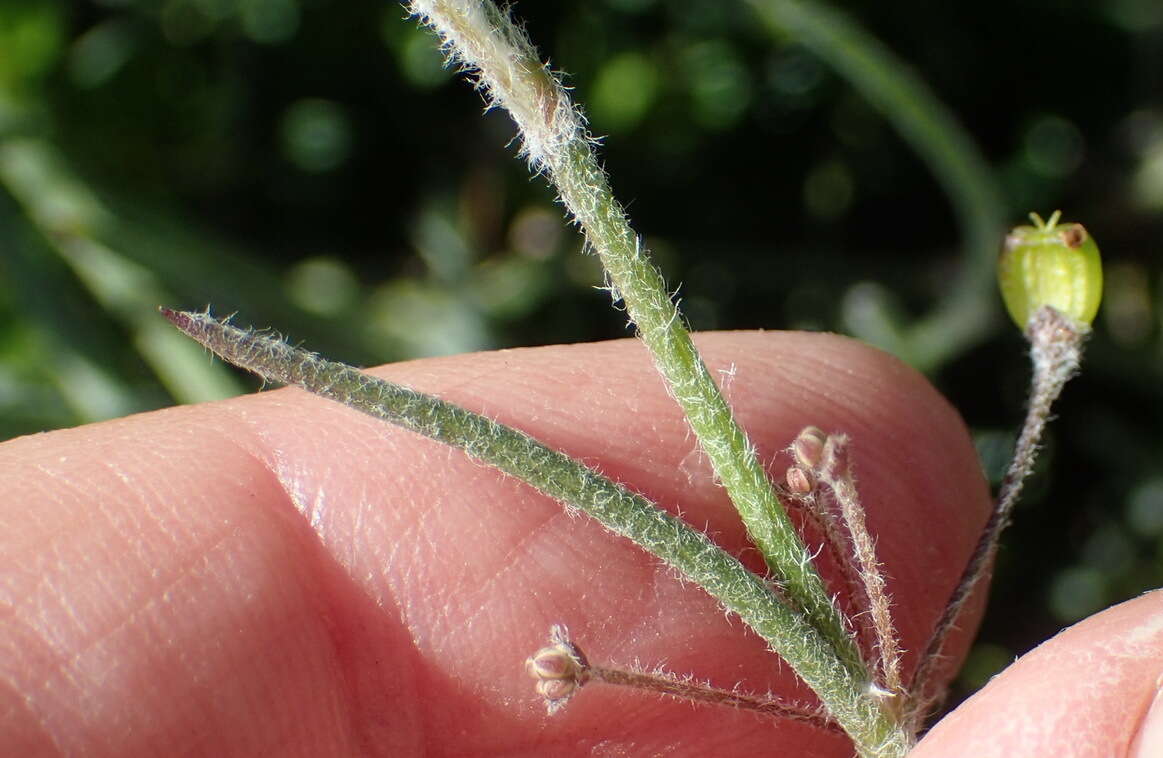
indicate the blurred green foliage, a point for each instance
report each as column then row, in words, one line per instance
column 310, row 164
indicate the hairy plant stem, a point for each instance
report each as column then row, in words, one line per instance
column 835, row 472
column 485, row 41
column 789, row 633
column 816, row 512
column 1056, row 343
column 562, row 668
column 686, row 688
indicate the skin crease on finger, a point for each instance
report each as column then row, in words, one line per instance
column 277, row 574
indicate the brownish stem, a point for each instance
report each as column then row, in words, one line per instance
column 836, row 473
column 562, row 669
column 1056, row 352
column 665, row 683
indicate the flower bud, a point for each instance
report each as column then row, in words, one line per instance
column 556, row 691
column 558, row 661
column 809, row 446
column 1050, row 264
column 799, row 480
column 560, row 669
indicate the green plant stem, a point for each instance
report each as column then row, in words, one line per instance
column 732, row 456
column 623, row 512
column 906, row 101
column 485, row 40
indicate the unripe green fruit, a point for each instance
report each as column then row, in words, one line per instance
column 1050, row 264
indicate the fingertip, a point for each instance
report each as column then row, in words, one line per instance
column 1092, row 690
column 431, row 544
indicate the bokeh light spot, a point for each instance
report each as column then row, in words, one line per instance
column 829, row 190
column 624, row 91
column 720, row 84
column 99, row 54
column 1145, row 508
column 269, row 22
column 536, row 232
column 421, row 62
column 316, row 135
column 984, row 662
column 323, row 286
column 1076, row 593
column 1053, row 147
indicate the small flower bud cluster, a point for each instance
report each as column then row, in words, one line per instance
column 807, row 450
column 559, row 668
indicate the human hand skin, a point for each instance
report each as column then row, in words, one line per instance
column 279, row 575
column 1093, row 691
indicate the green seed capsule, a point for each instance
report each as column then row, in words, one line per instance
column 1050, row 264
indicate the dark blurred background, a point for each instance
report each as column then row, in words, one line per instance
column 310, row 165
